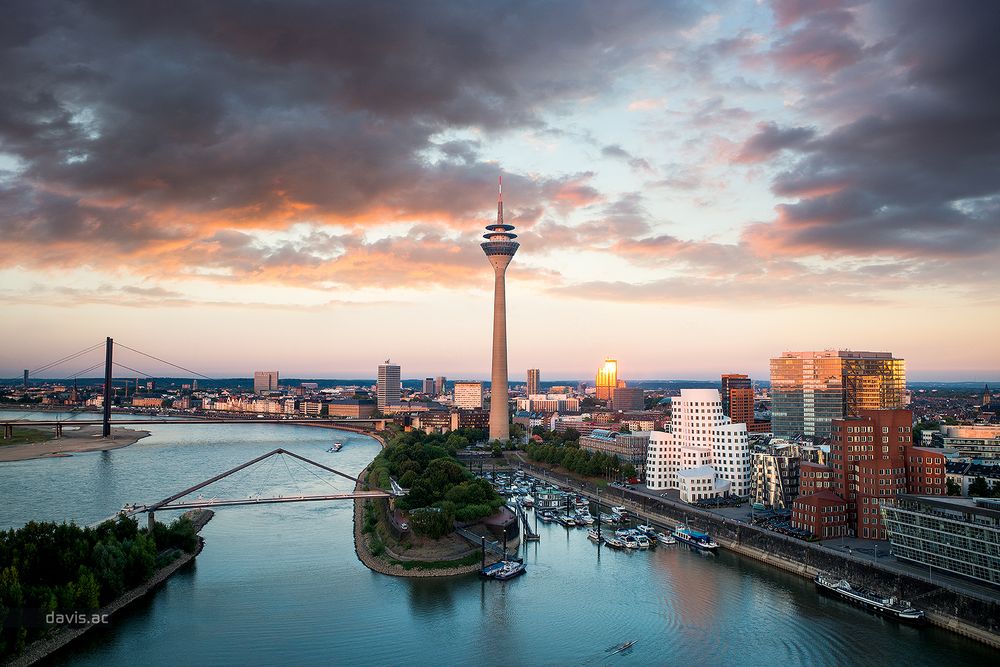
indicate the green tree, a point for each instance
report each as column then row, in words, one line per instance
column 979, row 487
column 954, row 488
column 88, row 592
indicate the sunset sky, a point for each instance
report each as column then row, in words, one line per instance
column 697, row 186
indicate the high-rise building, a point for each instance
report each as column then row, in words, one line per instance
column 469, row 395
column 628, row 398
column 439, row 384
column 428, row 387
column 499, row 247
column 265, row 381
column 388, row 387
column 811, row 389
column 534, row 376
column 732, row 381
column 702, row 437
column 607, row 380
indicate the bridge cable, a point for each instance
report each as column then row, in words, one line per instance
column 317, row 476
column 267, row 477
column 64, row 359
column 290, row 476
column 164, row 361
column 134, row 370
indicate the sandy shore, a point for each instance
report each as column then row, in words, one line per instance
column 74, row 439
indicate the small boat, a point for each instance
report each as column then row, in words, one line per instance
column 566, row 520
column 593, row 535
column 614, row 543
column 693, row 538
column 648, row 531
column 630, row 542
column 503, row 570
column 890, row 607
column 623, row 532
column 624, row 646
column 621, row 511
column 528, row 501
column 547, row 517
column 643, row 541
column 663, row 538
column 584, row 519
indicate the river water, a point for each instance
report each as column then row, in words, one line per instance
column 280, row 584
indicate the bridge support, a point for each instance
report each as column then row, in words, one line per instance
column 8, row 431
column 58, row 430
column 151, row 521
column 106, row 429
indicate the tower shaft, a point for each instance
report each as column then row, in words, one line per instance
column 499, row 418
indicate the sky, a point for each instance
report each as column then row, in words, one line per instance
column 696, row 186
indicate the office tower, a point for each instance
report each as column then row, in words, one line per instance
column 429, row 387
column 534, row 376
column 26, row 378
column 628, row 398
column 439, row 385
column 469, row 395
column 607, row 380
column 499, row 247
column 811, row 389
column 387, row 386
column 194, row 385
column 732, row 381
column 265, row 381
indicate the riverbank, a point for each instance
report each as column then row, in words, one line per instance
column 61, row 638
column 947, row 608
column 74, row 440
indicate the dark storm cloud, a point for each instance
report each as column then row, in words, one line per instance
column 917, row 172
column 150, row 120
column 770, row 139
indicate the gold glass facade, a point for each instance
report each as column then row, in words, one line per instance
column 607, row 380
column 811, row 389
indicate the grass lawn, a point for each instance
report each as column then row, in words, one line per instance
column 26, row 436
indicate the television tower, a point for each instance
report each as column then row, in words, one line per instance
column 499, row 247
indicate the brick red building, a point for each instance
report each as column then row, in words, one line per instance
column 824, row 514
column 872, row 459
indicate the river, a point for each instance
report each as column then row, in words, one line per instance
column 280, row 584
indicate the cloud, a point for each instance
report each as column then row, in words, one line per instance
column 144, row 128
column 770, row 139
column 916, row 174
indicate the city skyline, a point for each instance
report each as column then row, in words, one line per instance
column 813, row 175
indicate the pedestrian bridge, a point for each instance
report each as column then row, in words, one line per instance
column 182, row 500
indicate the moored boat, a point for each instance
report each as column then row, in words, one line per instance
column 614, row 543
column 566, row 520
column 503, row 570
column 593, row 535
column 663, row 538
column 547, row 517
column 886, row 606
column 694, row 538
column 528, row 501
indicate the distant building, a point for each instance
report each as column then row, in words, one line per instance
column 264, row 381
column 811, row 389
column 388, row 387
column 628, row 398
column 144, row 402
column 964, row 473
column 970, row 441
column 548, row 403
column 428, row 387
column 607, row 380
column 468, row 395
column 628, row 447
column 956, row 535
column 534, row 378
column 356, row 409
column 440, row 385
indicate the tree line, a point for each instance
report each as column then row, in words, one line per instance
column 48, row 568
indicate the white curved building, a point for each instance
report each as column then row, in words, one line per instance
column 701, row 436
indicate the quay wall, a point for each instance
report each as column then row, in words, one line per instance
column 959, row 611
